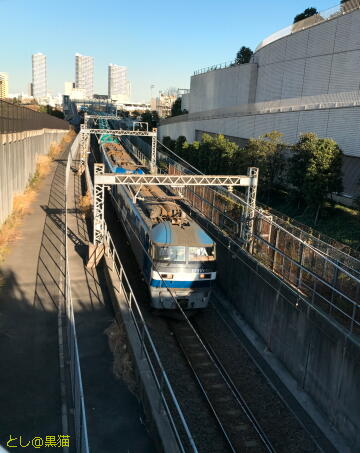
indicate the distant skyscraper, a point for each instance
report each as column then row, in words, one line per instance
column 4, row 85
column 118, row 85
column 68, row 87
column 39, row 75
column 84, row 74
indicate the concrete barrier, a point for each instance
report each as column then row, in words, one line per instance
column 322, row 357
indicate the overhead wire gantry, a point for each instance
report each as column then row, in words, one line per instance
column 102, row 179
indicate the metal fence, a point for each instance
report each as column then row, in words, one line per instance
column 323, row 16
column 82, row 445
column 325, row 279
column 18, row 160
column 315, row 102
column 226, row 64
column 14, row 118
column 167, row 399
column 24, row 136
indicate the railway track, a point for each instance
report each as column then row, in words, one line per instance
column 235, row 421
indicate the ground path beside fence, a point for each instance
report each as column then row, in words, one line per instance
column 32, row 284
column 114, row 416
column 32, row 281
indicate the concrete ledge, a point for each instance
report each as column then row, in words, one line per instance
column 148, row 393
column 278, row 368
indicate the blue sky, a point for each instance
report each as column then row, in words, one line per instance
column 161, row 42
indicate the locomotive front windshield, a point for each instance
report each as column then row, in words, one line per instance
column 201, row 254
column 180, row 254
column 174, row 253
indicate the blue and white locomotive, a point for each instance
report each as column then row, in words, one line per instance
column 177, row 258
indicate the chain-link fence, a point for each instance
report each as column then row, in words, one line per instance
column 324, row 277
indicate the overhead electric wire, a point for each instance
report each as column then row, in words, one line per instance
column 280, row 227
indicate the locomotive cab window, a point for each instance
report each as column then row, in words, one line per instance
column 174, row 253
column 201, row 254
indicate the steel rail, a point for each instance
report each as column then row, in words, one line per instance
column 229, row 384
column 206, row 396
column 238, row 396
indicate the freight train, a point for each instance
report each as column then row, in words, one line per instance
column 177, row 258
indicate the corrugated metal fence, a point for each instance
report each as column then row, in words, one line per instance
column 24, row 135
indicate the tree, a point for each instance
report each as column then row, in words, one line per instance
column 152, row 118
column 346, row 5
column 169, row 143
column 176, row 108
column 213, row 155
column 315, row 170
column 155, row 118
column 179, row 144
column 357, row 200
column 308, row 12
column 51, row 111
column 266, row 153
column 243, row 55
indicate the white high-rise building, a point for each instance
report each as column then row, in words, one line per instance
column 84, row 74
column 118, row 85
column 68, row 87
column 4, row 85
column 39, row 75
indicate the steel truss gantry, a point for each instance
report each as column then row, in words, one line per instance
column 102, row 179
column 84, row 148
column 98, row 117
column 85, row 141
column 172, row 180
column 253, row 175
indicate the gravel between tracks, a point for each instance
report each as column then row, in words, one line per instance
column 200, row 421
column 282, row 428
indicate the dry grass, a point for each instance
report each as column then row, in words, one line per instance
column 123, row 364
column 69, row 136
column 85, row 205
column 22, row 202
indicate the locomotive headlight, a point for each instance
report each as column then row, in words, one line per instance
column 168, row 276
column 205, row 275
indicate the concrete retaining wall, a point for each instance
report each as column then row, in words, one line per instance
column 304, row 82
column 231, row 86
column 321, row 59
column 18, row 157
column 323, row 359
